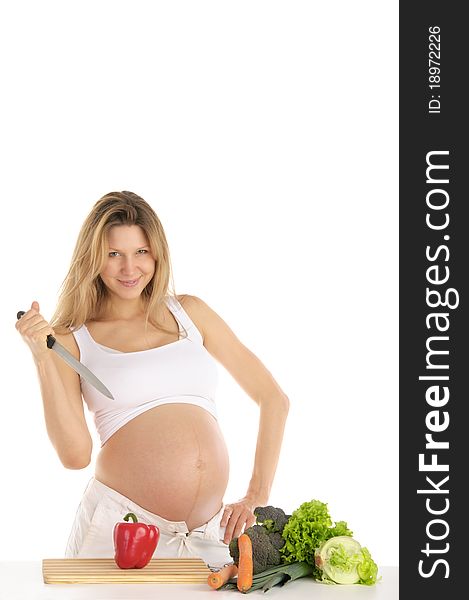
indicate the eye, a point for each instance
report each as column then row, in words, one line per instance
column 143, row 250
column 111, row 253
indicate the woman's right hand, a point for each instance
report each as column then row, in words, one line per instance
column 34, row 329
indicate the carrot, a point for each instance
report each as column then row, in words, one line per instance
column 245, row 565
column 218, row 578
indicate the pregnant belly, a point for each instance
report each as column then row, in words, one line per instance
column 171, row 460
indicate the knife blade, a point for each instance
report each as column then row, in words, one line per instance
column 76, row 365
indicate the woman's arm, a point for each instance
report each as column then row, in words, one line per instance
column 60, row 391
column 259, row 384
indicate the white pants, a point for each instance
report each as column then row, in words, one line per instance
column 102, row 507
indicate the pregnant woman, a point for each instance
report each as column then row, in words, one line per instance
column 162, row 455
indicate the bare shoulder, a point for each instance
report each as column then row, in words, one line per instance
column 67, row 340
column 190, row 302
column 199, row 312
column 193, row 305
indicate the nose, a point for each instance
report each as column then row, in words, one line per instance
column 128, row 265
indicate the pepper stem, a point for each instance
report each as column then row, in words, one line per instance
column 131, row 516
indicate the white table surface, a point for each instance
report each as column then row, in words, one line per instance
column 22, row 580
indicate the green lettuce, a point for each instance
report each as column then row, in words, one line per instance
column 308, row 527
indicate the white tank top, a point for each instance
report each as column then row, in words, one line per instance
column 179, row 372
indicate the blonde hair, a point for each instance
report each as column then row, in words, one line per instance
column 83, row 295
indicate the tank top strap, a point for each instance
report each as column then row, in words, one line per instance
column 183, row 319
column 83, row 342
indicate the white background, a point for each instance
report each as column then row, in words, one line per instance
column 264, row 134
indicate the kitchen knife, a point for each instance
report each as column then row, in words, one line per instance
column 76, row 365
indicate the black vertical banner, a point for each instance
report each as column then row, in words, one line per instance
column 434, row 361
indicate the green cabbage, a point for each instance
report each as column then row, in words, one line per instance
column 341, row 559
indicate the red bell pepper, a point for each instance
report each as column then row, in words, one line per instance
column 134, row 543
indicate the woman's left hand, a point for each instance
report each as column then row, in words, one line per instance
column 237, row 517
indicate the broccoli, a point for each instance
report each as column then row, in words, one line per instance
column 266, row 538
column 272, row 518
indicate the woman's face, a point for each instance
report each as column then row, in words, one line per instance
column 130, row 264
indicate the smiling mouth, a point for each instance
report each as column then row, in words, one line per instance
column 129, row 282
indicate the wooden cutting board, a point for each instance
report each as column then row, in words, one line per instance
column 105, row 570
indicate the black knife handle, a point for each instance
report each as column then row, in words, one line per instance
column 50, row 338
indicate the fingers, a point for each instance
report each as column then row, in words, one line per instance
column 250, row 522
column 29, row 321
column 34, row 310
column 34, row 330
column 236, row 518
column 226, row 515
column 235, row 527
